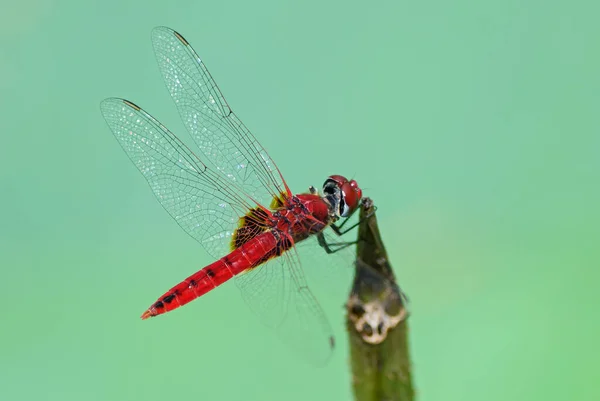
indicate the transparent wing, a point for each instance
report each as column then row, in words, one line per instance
column 220, row 135
column 207, row 206
column 266, row 291
column 306, row 328
column 208, row 201
column 204, row 203
column 279, row 294
column 328, row 269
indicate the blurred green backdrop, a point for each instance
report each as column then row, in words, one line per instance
column 472, row 124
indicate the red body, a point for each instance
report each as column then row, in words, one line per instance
column 237, row 177
column 297, row 219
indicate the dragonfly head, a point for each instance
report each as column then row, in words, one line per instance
column 344, row 196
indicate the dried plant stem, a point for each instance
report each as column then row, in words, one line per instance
column 376, row 321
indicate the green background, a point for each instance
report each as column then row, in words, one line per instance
column 473, row 125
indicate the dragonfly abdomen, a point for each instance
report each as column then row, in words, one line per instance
column 251, row 254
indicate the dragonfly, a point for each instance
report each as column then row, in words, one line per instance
column 232, row 198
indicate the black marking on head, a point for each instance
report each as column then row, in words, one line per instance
column 380, row 328
column 342, row 205
column 329, row 186
column 169, row 298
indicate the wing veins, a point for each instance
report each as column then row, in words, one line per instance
column 231, row 119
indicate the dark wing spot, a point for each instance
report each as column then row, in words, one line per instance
column 132, row 105
column 181, row 38
column 251, row 225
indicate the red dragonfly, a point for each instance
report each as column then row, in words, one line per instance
column 235, row 202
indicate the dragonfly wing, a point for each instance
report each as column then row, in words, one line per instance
column 266, row 290
column 278, row 293
column 306, row 327
column 220, row 135
column 203, row 202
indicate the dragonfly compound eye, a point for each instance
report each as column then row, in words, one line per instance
column 351, row 195
column 348, row 191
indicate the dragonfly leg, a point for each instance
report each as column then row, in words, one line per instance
column 339, row 229
column 333, row 247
